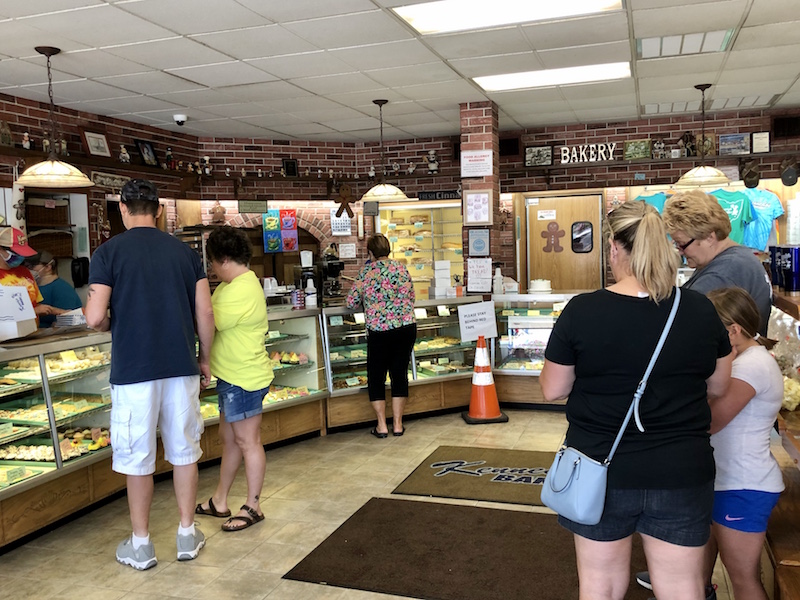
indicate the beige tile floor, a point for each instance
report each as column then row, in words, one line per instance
column 311, row 488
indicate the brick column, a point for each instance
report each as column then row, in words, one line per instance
column 480, row 131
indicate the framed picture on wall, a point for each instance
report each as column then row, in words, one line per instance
column 289, row 166
column 148, row 152
column 477, row 207
column 95, row 143
column 538, row 156
column 637, row 149
column 734, row 143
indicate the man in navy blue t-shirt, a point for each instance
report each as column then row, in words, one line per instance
column 159, row 297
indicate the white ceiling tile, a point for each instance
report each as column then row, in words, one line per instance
column 606, row 114
column 384, row 55
column 767, row 36
column 198, row 17
column 265, row 92
column 542, row 119
column 308, row 64
column 307, row 103
column 700, row 17
column 94, row 63
column 149, row 82
column 23, row 72
column 460, row 91
column 676, row 4
column 164, row 117
column 791, row 99
column 498, row 64
column 223, row 74
column 85, row 89
column 365, row 97
column 199, row 97
column 763, row 57
column 764, row 88
column 580, row 91
column 389, row 134
column 9, row 8
column 131, row 104
column 297, row 10
column 686, row 94
column 763, row 12
column 231, row 128
column 337, row 84
column 169, row 54
column 399, row 76
column 301, row 129
column 432, row 129
column 675, row 82
column 238, row 109
column 101, row 25
column 323, row 115
column 776, row 73
column 586, row 55
column 18, row 38
column 340, row 31
column 507, row 40
column 680, row 65
column 628, row 101
column 357, row 124
column 418, row 118
column 524, row 109
column 256, row 42
column 598, row 29
column 521, row 96
column 270, row 120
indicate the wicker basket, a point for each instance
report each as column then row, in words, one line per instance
column 38, row 213
column 57, row 243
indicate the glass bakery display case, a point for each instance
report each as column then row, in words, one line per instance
column 524, row 323
column 52, row 421
column 425, row 235
column 438, row 350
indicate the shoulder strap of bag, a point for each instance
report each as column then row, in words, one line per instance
column 637, row 396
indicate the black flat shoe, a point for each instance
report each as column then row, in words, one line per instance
column 378, row 434
column 399, row 433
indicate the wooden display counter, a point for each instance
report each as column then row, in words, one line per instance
column 521, row 389
column 426, row 395
column 87, row 481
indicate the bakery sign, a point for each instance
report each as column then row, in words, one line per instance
column 587, row 153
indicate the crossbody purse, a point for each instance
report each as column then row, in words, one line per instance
column 575, row 486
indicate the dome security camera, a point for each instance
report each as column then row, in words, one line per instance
column 179, row 120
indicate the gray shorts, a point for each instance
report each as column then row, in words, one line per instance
column 681, row 517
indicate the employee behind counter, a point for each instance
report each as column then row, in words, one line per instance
column 59, row 295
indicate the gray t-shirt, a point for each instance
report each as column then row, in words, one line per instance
column 737, row 266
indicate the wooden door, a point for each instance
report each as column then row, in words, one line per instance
column 565, row 241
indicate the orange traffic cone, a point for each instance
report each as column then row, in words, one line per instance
column 483, row 404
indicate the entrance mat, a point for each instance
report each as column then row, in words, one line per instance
column 440, row 551
column 491, row 474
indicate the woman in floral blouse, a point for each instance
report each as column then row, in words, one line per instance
column 384, row 288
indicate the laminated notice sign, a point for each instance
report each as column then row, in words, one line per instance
column 477, row 320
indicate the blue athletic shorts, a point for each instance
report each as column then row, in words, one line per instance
column 681, row 517
column 744, row 510
column 237, row 404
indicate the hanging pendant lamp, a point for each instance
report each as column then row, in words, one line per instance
column 702, row 175
column 52, row 173
column 383, row 192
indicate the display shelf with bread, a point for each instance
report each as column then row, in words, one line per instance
column 426, row 237
column 524, row 323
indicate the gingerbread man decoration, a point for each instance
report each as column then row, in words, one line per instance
column 344, row 200
column 552, row 236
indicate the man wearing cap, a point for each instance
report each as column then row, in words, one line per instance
column 14, row 249
column 159, row 296
column 59, row 295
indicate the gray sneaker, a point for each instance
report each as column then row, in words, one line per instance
column 142, row 559
column 189, row 545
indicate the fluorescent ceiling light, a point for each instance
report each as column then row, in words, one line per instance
column 551, row 77
column 684, row 45
column 461, row 15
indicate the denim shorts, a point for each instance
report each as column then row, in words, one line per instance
column 237, row 404
column 744, row 510
column 681, row 516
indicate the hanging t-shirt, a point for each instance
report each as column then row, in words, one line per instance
column 656, row 200
column 766, row 208
column 737, row 206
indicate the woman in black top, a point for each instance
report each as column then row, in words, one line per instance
column 661, row 481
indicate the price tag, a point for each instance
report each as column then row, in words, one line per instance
column 359, row 317
column 80, row 405
column 49, row 203
column 533, row 312
column 443, row 311
column 418, row 225
column 420, row 313
column 336, row 321
column 6, row 429
column 419, row 267
column 443, row 360
column 302, row 390
column 509, row 313
column 459, row 251
column 408, row 253
column 393, row 239
column 95, row 434
column 68, row 356
column 392, row 226
column 352, row 381
column 273, row 334
column 59, row 412
column 419, row 238
column 15, row 474
column 65, row 446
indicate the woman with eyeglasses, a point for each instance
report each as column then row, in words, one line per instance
column 700, row 229
column 661, row 481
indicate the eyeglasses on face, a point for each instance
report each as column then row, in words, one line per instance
column 683, row 247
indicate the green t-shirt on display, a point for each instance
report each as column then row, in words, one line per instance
column 737, row 206
column 238, row 355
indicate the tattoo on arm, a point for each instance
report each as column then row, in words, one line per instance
column 89, row 292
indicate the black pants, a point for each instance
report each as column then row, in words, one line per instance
column 389, row 351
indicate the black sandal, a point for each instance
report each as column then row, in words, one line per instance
column 378, row 434
column 248, row 521
column 211, row 511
